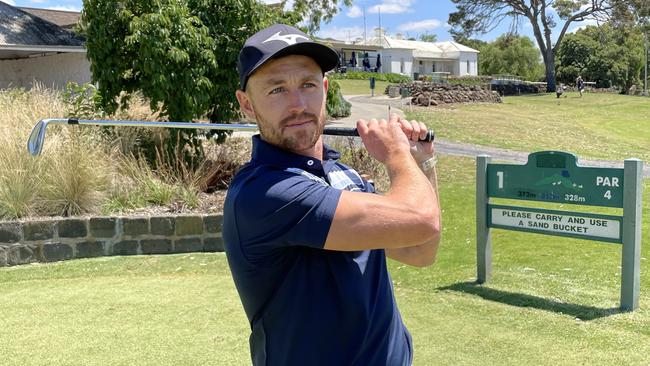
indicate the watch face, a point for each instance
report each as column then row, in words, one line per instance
column 429, row 163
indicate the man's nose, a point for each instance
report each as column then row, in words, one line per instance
column 297, row 102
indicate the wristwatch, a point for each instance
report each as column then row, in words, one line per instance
column 429, row 164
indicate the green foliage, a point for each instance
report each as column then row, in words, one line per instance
column 608, row 55
column 476, row 44
column 83, row 101
column 312, row 12
column 364, row 75
column 181, row 55
column 469, row 80
column 337, row 106
column 426, row 37
column 514, row 55
column 141, row 186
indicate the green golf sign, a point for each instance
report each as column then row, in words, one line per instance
column 555, row 176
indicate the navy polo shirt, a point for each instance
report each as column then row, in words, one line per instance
column 307, row 305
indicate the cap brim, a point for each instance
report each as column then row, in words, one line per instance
column 323, row 55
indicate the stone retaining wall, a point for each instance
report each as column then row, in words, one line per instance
column 68, row 238
column 432, row 94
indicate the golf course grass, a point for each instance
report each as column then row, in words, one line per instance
column 603, row 126
column 552, row 301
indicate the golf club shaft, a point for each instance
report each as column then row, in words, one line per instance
column 37, row 137
column 333, row 131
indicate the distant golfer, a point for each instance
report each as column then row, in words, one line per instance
column 580, row 84
column 306, row 240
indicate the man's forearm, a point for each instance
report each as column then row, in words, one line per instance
column 407, row 183
column 424, row 254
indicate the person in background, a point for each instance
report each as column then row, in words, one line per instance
column 580, row 84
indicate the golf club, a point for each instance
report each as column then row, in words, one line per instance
column 37, row 136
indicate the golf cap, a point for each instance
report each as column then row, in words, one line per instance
column 277, row 41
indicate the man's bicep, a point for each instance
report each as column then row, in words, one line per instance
column 370, row 221
column 285, row 212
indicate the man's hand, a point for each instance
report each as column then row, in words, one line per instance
column 381, row 138
column 415, row 131
column 384, row 140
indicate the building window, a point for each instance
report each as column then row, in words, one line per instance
column 468, row 67
column 401, row 65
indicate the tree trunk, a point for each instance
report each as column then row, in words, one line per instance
column 549, row 62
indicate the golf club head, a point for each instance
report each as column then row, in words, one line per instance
column 37, row 138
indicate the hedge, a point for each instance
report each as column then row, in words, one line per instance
column 363, row 75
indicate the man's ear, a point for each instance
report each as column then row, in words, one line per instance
column 246, row 105
column 326, row 83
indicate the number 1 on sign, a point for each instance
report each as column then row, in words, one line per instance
column 500, row 176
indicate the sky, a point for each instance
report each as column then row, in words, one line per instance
column 411, row 18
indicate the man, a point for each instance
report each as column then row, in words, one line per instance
column 305, row 241
column 580, row 84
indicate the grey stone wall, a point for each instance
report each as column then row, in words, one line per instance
column 50, row 240
column 432, row 94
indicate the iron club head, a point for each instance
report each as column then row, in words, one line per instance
column 37, row 138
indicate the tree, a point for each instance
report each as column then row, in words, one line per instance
column 313, row 12
column 610, row 55
column 512, row 55
column 476, row 44
column 180, row 54
column 482, row 16
column 426, row 37
column 636, row 12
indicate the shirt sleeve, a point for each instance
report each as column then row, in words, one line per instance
column 281, row 209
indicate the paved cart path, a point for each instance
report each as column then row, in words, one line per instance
column 377, row 107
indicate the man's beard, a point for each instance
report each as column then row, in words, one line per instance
column 299, row 141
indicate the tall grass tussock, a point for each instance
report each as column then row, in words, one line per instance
column 85, row 170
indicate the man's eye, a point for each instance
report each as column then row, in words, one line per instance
column 277, row 90
column 309, row 85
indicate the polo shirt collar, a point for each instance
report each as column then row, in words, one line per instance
column 265, row 153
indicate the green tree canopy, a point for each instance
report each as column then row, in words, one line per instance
column 513, row 55
column 426, row 37
column 180, row 54
column 611, row 56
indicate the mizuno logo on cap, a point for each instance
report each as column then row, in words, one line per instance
column 287, row 38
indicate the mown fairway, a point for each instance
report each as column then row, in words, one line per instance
column 552, row 301
column 361, row 87
column 603, row 126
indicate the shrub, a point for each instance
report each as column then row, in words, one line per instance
column 19, row 172
column 222, row 162
column 359, row 159
column 75, row 173
column 337, row 106
column 470, row 80
column 363, row 75
column 18, row 176
column 83, row 101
